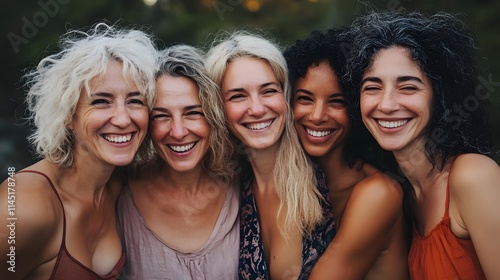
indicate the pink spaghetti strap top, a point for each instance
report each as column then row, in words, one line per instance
column 66, row 266
column 442, row 255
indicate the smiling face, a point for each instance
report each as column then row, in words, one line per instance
column 254, row 103
column 320, row 114
column 396, row 99
column 110, row 123
column 179, row 130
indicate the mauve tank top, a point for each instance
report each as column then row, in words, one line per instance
column 66, row 266
column 148, row 257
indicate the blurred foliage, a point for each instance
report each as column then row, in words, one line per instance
column 197, row 22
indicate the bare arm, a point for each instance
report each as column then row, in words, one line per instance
column 372, row 210
column 475, row 189
column 29, row 225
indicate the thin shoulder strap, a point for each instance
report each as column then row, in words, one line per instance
column 63, row 242
column 57, row 194
column 50, row 182
column 447, row 202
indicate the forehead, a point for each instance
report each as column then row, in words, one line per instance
column 394, row 61
column 248, row 70
column 172, row 90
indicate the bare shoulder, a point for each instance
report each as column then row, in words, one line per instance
column 379, row 188
column 33, row 200
column 473, row 172
column 375, row 202
column 35, row 214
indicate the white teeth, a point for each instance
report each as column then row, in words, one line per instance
column 181, row 149
column 315, row 133
column 394, row 124
column 258, row 126
column 118, row 139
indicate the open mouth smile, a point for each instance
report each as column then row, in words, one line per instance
column 259, row 126
column 318, row 133
column 118, row 138
column 392, row 124
column 182, row 148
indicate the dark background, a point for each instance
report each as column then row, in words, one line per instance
column 30, row 30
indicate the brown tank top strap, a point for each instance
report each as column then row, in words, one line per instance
column 57, row 194
column 48, row 179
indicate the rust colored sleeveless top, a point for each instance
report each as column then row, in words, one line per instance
column 441, row 255
column 66, row 266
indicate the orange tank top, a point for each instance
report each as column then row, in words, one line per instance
column 441, row 255
column 67, row 267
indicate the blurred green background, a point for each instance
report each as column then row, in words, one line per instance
column 30, row 30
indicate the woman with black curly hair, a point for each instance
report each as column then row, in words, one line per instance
column 419, row 97
column 370, row 242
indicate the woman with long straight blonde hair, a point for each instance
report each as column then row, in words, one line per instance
column 286, row 221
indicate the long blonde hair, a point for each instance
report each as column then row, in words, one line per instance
column 294, row 175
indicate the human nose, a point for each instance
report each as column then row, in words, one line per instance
column 178, row 130
column 388, row 101
column 121, row 116
column 318, row 113
column 257, row 107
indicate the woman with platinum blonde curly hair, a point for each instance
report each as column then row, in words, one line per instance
column 286, row 220
column 89, row 104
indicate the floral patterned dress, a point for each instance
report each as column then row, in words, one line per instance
column 252, row 264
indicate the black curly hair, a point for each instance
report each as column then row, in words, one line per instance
column 444, row 49
column 333, row 47
column 312, row 50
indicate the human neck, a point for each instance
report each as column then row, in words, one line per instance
column 416, row 166
column 187, row 180
column 86, row 181
column 337, row 172
column 263, row 162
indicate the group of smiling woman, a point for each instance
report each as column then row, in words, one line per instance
column 342, row 157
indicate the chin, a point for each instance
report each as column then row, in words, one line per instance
column 121, row 161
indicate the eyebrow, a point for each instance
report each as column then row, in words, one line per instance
column 261, row 86
column 109, row 95
column 187, row 108
column 305, row 91
column 398, row 79
column 409, row 78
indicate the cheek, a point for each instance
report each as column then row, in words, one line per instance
column 158, row 131
column 365, row 105
column 141, row 118
column 279, row 104
column 233, row 112
column 299, row 111
column 342, row 117
column 201, row 128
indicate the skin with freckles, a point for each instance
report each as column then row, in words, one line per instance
column 179, row 208
column 109, row 125
column 179, row 130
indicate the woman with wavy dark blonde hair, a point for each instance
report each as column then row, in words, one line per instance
column 178, row 212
